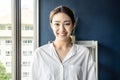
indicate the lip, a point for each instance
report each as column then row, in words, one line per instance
column 62, row 34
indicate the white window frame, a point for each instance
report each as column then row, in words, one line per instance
column 16, row 18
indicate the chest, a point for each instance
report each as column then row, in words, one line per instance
column 51, row 69
column 61, row 72
column 62, row 53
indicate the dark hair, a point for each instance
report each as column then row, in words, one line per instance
column 62, row 9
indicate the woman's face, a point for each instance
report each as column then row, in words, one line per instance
column 62, row 26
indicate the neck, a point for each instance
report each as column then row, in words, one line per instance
column 62, row 44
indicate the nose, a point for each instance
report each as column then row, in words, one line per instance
column 62, row 28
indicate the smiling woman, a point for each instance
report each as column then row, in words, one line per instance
column 62, row 59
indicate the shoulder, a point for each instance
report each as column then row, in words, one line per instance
column 81, row 47
column 42, row 48
column 41, row 51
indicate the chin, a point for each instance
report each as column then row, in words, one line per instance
column 63, row 39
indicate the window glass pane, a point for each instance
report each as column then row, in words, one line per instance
column 5, row 40
column 27, row 37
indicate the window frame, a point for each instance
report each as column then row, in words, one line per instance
column 17, row 48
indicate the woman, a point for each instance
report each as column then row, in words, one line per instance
column 62, row 59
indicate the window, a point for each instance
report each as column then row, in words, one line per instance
column 9, row 27
column 26, row 63
column 2, row 27
column 27, row 42
column 25, row 74
column 27, row 53
column 18, row 24
column 27, row 27
column 8, row 64
column 8, row 42
column 8, row 53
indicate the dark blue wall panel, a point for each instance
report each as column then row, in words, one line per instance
column 97, row 20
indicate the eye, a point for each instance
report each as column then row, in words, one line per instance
column 67, row 24
column 56, row 24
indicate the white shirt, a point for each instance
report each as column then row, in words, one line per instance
column 77, row 65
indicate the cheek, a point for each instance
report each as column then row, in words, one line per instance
column 54, row 29
column 70, row 30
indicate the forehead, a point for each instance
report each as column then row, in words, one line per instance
column 61, row 17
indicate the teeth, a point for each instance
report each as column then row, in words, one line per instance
column 62, row 34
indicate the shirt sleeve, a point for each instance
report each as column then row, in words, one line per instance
column 91, row 75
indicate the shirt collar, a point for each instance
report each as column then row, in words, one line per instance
column 70, row 54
